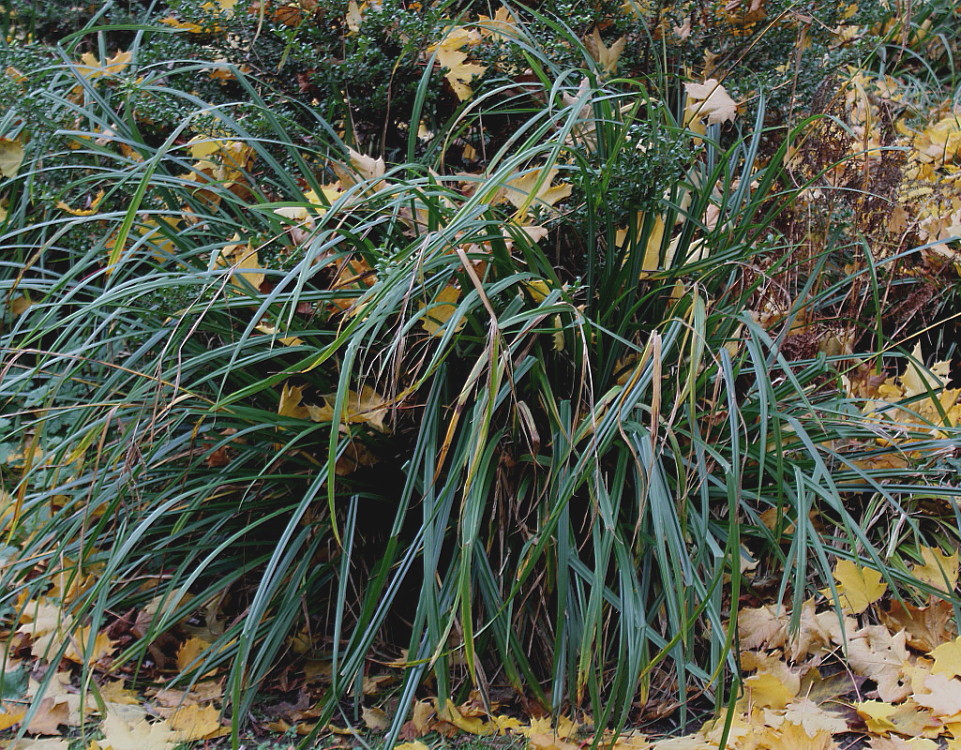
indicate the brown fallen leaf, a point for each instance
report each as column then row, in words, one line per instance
column 50, row 716
column 605, row 56
column 927, row 627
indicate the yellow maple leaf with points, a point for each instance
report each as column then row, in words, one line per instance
column 92, row 68
column 877, row 716
column 708, row 101
column 857, row 587
column 939, row 570
column 534, row 187
column 193, row 723
column 367, row 407
column 460, row 72
column 767, row 690
column 11, row 157
column 244, row 262
column 947, row 658
column 440, row 311
column 130, row 733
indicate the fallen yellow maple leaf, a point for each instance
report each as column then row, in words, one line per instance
column 11, row 157
column 244, row 263
column 440, row 311
column 374, row 719
column 271, row 330
column 130, row 733
column 189, row 651
column 941, row 694
column 460, row 72
column 939, row 570
column 81, row 651
column 767, row 690
column 91, row 67
column 877, row 716
column 451, row 713
column 534, row 187
column 947, row 658
column 10, row 716
column 49, row 743
column 367, row 407
column 708, row 101
column 291, row 405
column 63, row 206
column 192, row 723
column 857, row 587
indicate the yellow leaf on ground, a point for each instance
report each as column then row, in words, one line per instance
column 710, row 101
column 857, row 587
column 506, row 724
column 877, row 716
column 794, row 737
column 291, row 405
column 25, row 743
column 51, row 714
column 92, row 68
column 534, row 187
column 192, row 723
column 11, row 157
column 546, row 741
column 472, row 725
column 813, row 719
column 423, row 717
column 502, row 25
column 41, row 618
column 927, row 627
column 367, row 407
column 441, row 310
column 11, row 716
column 119, row 733
column 947, row 658
column 460, row 72
column 355, row 16
column 80, row 650
column 415, row 745
column 115, row 692
column 763, row 626
column 941, row 694
column 875, row 653
column 189, row 651
column 92, row 209
column 768, row 690
column 939, row 570
column 897, row 743
column 245, row 264
column 285, row 340
column 374, row 719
